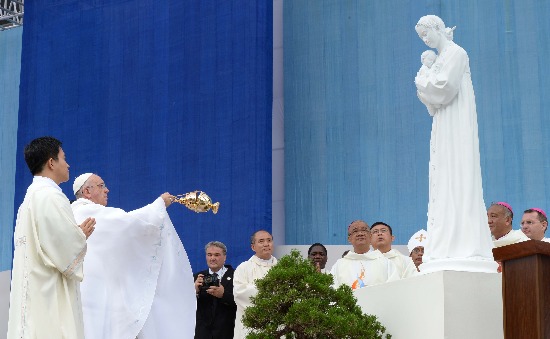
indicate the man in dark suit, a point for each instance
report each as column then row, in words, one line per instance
column 216, row 307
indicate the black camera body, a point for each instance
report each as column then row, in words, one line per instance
column 210, row 280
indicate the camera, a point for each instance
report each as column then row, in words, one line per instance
column 210, row 280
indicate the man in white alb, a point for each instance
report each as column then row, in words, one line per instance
column 362, row 267
column 381, row 239
column 248, row 272
column 139, row 281
column 49, row 252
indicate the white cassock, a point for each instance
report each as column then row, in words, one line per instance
column 512, row 237
column 360, row 270
column 139, row 281
column 404, row 265
column 457, row 217
column 244, row 287
column 47, row 267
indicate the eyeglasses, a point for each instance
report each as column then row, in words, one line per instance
column 264, row 241
column 417, row 250
column 101, row 186
column 380, row 231
column 357, row 230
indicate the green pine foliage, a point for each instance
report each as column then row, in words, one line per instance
column 296, row 301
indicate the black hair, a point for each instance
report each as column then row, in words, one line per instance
column 316, row 244
column 382, row 223
column 39, row 151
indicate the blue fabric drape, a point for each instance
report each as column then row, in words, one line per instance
column 357, row 137
column 157, row 97
column 10, row 66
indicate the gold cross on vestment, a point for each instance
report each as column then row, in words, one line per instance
column 421, row 237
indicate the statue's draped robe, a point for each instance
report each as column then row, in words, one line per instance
column 457, row 217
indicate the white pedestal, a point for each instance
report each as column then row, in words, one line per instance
column 439, row 305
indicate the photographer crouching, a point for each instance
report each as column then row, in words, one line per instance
column 216, row 307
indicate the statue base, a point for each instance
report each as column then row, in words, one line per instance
column 474, row 264
column 450, row 305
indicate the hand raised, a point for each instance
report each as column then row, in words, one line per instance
column 168, row 198
column 88, row 226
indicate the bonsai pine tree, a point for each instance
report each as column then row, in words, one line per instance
column 296, row 301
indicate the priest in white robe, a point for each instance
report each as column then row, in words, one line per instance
column 362, row 267
column 49, row 252
column 139, row 281
column 247, row 273
column 381, row 239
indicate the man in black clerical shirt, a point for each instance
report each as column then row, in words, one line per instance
column 216, row 307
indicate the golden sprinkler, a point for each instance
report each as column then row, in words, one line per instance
column 197, row 201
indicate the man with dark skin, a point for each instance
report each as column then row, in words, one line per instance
column 317, row 253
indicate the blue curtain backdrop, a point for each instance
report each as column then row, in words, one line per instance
column 157, row 96
column 10, row 66
column 357, row 137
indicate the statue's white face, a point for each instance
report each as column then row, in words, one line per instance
column 429, row 36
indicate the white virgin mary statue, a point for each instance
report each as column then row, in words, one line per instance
column 460, row 239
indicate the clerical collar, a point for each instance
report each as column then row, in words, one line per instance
column 220, row 273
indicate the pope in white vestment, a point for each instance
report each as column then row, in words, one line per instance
column 139, row 281
column 47, row 266
column 247, row 273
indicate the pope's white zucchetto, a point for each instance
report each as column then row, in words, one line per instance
column 80, row 180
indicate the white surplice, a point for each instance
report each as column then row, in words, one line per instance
column 138, row 276
column 361, row 270
column 512, row 237
column 47, row 266
column 404, row 265
column 457, row 218
column 244, row 287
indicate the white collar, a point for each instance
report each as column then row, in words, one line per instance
column 45, row 181
column 220, row 272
